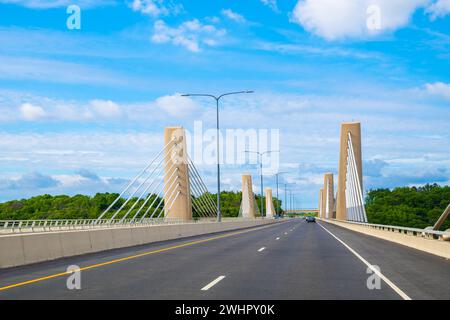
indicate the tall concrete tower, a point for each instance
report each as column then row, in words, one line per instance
column 354, row 129
column 270, row 209
column 177, row 194
column 248, row 197
column 328, row 187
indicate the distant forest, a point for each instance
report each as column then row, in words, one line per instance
column 86, row 207
column 416, row 207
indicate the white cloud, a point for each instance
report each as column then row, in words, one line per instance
column 49, row 4
column 272, row 4
column 340, row 19
column 233, row 16
column 31, row 112
column 177, row 106
column 439, row 89
column 439, row 9
column 156, row 8
column 190, row 34
column 105, row 108
column 17, row 106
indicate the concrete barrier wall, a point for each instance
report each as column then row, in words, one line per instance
column 436, row 247
column 21, row 249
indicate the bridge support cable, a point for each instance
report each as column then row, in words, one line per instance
column 173, row 201
column 198, row 198
column 201, row 205
column 198, row 178
column 140, row 186
column 354, row 193
column 349, row 190
column 132, row 182
column 199, row 192
column 157, row 195
column 199, row 211
column 358, row 184
column 352, row 213
column 167, row 195
column 146, row 192
column 328, row 201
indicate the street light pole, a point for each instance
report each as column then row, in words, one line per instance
column 260, row 154
column 278, row 199
column 217, row 98
column 285, row 197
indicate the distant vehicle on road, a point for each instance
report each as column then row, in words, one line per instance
column 310, row 219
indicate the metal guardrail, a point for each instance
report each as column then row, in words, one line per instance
column 24, row 226
column 30, row 226
column 405, row 230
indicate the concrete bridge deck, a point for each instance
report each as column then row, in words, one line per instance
column 289, row 260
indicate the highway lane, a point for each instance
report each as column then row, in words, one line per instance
column 297, row 261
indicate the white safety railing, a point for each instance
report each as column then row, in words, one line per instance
column 23, row 226
column 31, row 226
column 404, row 230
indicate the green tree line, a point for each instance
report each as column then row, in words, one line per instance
column 415, row 207
column 90, row 207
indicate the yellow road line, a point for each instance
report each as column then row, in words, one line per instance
column 187, row 244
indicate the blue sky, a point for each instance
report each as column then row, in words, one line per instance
column 83, row 110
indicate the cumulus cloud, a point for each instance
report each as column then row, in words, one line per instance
column 32, row 180
column 177, row 106
column 156, row 8
column 438, row 89
column 373, row 168
column 19, row 107
column 105, row 108
column 399, row 177
column 340, row 19
column 438, row 9
column 87, row 174
column 31, row 112
column 191, row 34
column 36, row 183
column 236, row 17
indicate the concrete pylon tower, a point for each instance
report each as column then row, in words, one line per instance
column 177, row 194
column 270, row 209
column 328, row 187
column 354, row 128
column 248, row 197
column 320, row 214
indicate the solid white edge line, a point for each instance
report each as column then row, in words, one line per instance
column 213, row 283
column 377, row 272
column 262, row 249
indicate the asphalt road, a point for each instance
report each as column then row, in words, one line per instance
column 289, row 260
